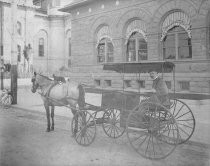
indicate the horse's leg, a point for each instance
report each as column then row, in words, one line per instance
column 48, row 116
column 52, row 116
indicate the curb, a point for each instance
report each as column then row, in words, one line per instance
column 196, row 143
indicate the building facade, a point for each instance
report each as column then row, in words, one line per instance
column 41, row 35
column 137, row 31
column 81, row 36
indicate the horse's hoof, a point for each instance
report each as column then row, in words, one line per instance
column 52, row 129
column 48, row 130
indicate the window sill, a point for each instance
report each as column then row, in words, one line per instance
column 187, row 60
column 184, row 91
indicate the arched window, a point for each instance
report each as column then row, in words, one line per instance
column 176, row 36
column 105, row 48
column 69, row 46
column 19, row 28
column 105, row 51
column 136, row 41
column 68, row 49
column 41, row 44
column 177, row 44
column 19, row 52
column 69, row 52
column 136, row 48
column 41, row 47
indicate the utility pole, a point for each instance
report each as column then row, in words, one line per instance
column 1, row 48
column 14, row 51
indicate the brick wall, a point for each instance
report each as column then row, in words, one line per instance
column 86, row 20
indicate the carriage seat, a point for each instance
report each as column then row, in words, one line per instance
column 59, row 79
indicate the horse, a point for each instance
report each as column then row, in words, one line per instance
column 66, row 94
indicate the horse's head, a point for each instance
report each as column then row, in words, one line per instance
column 39, row 81
column 35, row 83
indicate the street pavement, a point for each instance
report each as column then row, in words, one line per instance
column 24, row 142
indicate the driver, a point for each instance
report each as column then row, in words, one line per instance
column 161, row 91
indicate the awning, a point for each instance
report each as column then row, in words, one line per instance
column 140, row 67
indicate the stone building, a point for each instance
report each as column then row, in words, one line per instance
column 42, row 33
column 137, row 31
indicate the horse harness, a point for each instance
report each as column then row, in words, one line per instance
column 47, row 93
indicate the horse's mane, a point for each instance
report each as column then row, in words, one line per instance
column 46, row 77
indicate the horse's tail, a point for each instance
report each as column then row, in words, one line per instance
column 81, row 99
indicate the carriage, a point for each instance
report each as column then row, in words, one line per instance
column 152, row 129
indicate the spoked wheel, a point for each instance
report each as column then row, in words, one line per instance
column 152, row 131
column 111, row 123
column 6, row 101
column 184, row 118
column 83, row 128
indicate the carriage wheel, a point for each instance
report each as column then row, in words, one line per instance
column 111, row 123
column 83, row 128
column 152, row 131
column 184, row 118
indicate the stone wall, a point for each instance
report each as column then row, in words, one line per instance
column 36, row 25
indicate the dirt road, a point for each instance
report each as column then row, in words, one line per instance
column 24, row 142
